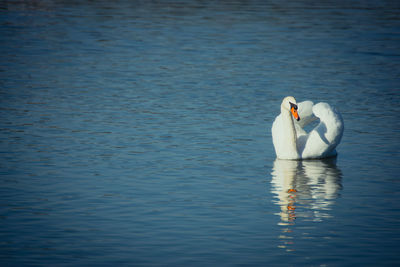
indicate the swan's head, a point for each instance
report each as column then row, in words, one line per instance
column 289, row 103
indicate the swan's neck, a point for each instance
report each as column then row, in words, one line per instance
column 290, row 132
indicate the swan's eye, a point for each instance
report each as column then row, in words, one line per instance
column 293, row 106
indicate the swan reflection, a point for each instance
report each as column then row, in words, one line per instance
column 304, row 190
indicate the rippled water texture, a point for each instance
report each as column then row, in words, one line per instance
column 138, row 133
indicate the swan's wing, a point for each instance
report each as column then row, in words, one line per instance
column 305, row 110
column 306, row 117
column 323, row 139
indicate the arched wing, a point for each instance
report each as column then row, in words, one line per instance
column 305, row 110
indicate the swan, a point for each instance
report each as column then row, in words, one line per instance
column 290, row 139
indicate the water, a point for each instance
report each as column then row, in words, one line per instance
column 138, row 133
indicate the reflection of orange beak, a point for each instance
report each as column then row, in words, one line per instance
column 291, row 206
column 295, row 114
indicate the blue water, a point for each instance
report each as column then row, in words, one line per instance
column 138, row 133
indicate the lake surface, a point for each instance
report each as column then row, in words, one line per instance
column 138, row 133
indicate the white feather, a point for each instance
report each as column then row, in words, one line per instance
column 290, row 139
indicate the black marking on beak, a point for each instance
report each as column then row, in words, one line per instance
column 293, row 109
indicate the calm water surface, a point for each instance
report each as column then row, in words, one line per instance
column 138, row 133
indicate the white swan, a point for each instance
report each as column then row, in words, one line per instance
column 290, row 139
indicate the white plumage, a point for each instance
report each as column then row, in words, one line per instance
column 290, row 139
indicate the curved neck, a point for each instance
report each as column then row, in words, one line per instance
column 290, row 131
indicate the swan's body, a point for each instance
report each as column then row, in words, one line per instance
column 290, row 139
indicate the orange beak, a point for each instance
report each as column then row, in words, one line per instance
column 295, row 114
